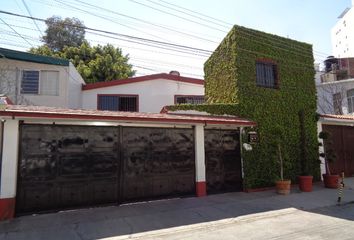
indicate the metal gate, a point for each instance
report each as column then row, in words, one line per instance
column 343, row 144
column 223, row 160
column 64, row 167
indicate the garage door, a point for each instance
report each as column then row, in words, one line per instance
column 223, row 160
column 64, row 167
column 343, row 144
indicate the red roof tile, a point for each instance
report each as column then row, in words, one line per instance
column 343, row 117
column 60, row 113
column 143, row 78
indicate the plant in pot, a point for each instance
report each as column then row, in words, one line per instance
column 330, row 180
column 282, row 185
column 305, row 179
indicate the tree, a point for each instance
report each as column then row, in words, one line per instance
column 95, row 64
column 61, row 33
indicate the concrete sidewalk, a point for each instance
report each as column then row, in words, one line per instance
column 175, row 215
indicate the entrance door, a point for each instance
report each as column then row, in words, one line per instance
column 223, row 160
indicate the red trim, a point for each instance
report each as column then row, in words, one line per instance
column 201, row 189
column 180, row 95
column 120, row 95
column 141, row 79
column 7, row 208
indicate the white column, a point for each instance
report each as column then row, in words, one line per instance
column 9, row 159
column 199, row 160
column 321, row 149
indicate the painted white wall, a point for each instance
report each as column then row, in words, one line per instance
column 199, row 153
column 325, row 93
column 10, row 84
column 342, row 35
column 9, row 159
column 75, row 88
column 153, row 94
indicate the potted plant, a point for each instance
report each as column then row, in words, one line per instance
column 305, row 179
column 329, row 156
column 282, row 185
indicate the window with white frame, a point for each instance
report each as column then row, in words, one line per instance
column 49, row 83
column 40, row 82
column 350, row 99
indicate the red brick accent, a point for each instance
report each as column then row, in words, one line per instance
column 201, row 189
column 7, row 208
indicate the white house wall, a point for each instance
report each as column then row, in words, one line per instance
column 153, row 94
column 10, row 84
column 325, row 93
column 74, row 88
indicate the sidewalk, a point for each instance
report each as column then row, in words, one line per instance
column 158, row 217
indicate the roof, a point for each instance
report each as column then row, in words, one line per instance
column 343, row 117
column 30, row 57
column 142, row 79
column 60, row 113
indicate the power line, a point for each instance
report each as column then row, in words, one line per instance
column 119, row 34
column 188, row 14
column 16, row 32
column 175, row 15
column 201, row 14
column 29, row 12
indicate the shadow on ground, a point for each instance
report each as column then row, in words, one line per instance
column 123, row 221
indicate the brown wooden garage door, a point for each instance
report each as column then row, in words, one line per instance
column 343, row 144
column 63, row 167
column 223, row 160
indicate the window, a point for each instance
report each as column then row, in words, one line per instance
column 49, row 83
column 40, row 82
column 30, row 82
column 350, row 99
column 266, row 74
column 118, row 103
column 189, row 99
column 337, row 103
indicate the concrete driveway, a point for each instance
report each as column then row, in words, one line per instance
column 157, row 218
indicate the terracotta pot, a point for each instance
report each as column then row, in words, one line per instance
column 305, row 183
column 283, row 187
column 330, row 181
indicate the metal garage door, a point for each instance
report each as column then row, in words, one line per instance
column 343, row 145
column 76, row 166
column 223, row 160
column 158, row 162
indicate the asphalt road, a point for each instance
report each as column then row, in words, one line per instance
column 336, row 222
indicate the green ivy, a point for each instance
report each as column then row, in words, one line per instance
column 230, row 88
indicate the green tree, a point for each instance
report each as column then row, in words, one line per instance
column 61, row 33
column 95, row 64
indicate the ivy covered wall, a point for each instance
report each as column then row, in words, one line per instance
column 230, row 87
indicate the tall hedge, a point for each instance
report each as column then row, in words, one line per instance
column 230, row 87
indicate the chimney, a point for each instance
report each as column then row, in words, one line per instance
column 176, row 73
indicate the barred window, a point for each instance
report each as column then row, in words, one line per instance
column 189, row 99
column 337, row 103
column 30, row 82
column 117, row 103
column 266, row 74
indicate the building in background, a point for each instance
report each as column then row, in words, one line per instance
column 335, row 87
column 342, row 34
column 30, row 79
column 148, row 93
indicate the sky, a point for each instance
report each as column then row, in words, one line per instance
column 198, row 24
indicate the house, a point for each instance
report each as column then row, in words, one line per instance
column 55, row 158
column 342, row 34
column 143, row 94
column 335, row 87
column 270, row 80
column 31, row 79
column 341, row 134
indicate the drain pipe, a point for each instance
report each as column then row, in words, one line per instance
column 2, row 125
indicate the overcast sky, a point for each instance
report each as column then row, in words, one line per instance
column 177, row 22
